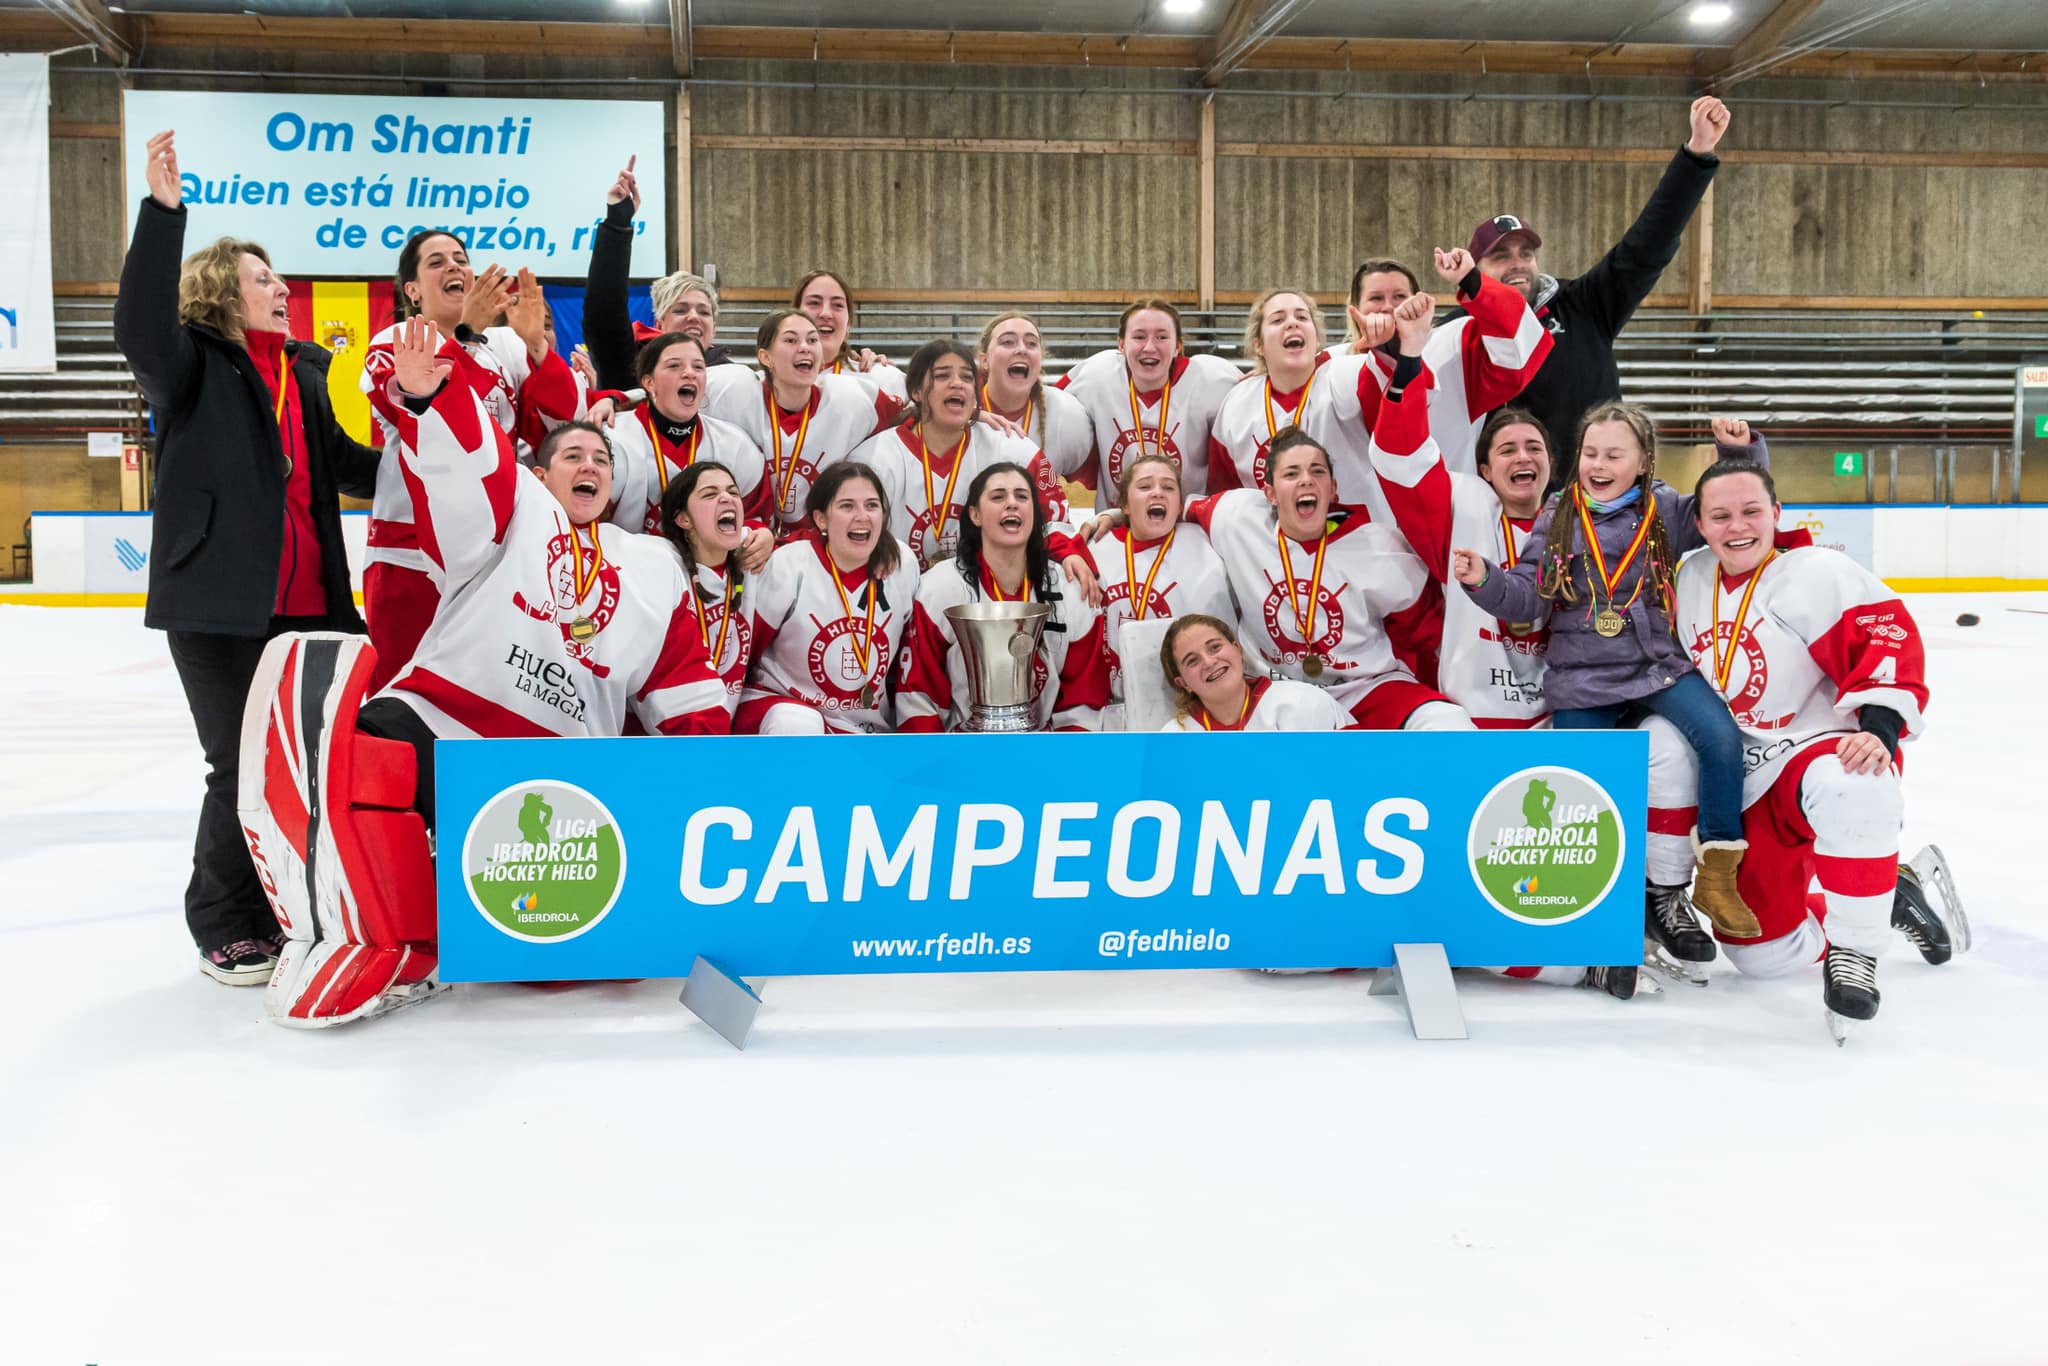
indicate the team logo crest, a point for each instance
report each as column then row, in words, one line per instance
column 579, row 624
column 1278, row 615
column 930, row 551
column 1546, row 845
column 1749, row 674
column 337, row 336
column 835, row 655
column 738, row 639
column 791, row 509
column 1116, row 610
column 1137, row 443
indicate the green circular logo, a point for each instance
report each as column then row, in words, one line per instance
column 543, row 861
column 1546, row 845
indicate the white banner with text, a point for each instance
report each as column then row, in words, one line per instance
column 28, row 331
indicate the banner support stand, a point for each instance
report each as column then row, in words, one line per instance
column 720, row 1000
column 1421, row 977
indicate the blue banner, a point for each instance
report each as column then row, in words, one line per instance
column 571, row 859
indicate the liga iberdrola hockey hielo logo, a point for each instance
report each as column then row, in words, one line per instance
column 1546, row 845
column 543, row 861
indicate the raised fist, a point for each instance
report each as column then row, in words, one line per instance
column 1731, row 431
column 1468, row 567
column 1454, row 265
column 1709, row 122
column 1414, row 316
column 1374, row 329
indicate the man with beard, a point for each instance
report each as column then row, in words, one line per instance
column 1584, row 315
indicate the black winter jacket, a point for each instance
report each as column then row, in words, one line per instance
column 610, row 334
column 218, row 525
column 1586, row 314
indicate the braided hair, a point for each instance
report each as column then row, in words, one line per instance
column 1554, row 580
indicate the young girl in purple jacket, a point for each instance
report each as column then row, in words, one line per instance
column 1599, row 564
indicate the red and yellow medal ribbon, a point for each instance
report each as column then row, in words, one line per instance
column 863, row 646
column 1723, row 666
column 1305, row 623
column 1635, row 546
column 788, row 475
column 284, row 377
column 725, row 625
column 1507, row 540
column 996, row 589
column 1030, row 406
column 661, row 460
column 1272, row 427
column 1141, row 598
column 1244, row 710
column 1165, row 403
column 584, row 582
column 941, row 508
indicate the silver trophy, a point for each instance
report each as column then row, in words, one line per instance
column 997, row 641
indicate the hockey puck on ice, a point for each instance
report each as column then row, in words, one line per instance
column 1967, row 619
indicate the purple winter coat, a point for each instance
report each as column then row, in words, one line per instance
column 1585, row 668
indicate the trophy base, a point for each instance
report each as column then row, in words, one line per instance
column 1000, row 720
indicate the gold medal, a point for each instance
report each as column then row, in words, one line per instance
column 1313, row 666
column 582, row 629
column 1608, row 622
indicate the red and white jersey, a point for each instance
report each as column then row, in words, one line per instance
column 1373, row 618
column 812, row 646
column 842, row 413
column 1822, row 637
column 722, row 607
column 532, row 423
column 1069, row 672
column 644, row 460
column 494, row 367
column 1273, row 704
column 1477, row 362
column 885, row 382
column 1186, row 405
column 1333, row 408
column 1493, row 669
column 1058, row 425
column 544, row 628
column 898, row 455
column 1176, row 577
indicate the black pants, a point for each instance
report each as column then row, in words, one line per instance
column 391, row 719
column 223, row 902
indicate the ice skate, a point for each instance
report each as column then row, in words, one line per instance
column 1674, row 945
column 1623, row 984
column 1849, row 987
column 1927, row 911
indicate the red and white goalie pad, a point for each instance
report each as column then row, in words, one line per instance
column 327, row 813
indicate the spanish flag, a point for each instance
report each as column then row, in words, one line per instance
column 342, row 315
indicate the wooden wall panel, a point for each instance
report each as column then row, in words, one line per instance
column 88, row 217
column 913, row 220
column 38, row 478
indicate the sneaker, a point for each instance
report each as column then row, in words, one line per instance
column 244, row 963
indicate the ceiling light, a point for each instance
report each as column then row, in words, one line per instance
column 1710, row 16
column 1181, row 6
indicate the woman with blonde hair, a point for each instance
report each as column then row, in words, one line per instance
column 683, row 302
column 1011, row 359
column 246, row 529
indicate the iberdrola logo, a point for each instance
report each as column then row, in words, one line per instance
column 543, row 861
column 1546, row 845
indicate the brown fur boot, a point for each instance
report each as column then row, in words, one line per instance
column 1713, row 887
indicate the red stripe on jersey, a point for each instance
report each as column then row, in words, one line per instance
column 479, row 714
column 1673, row 820
column 393, row 535
column 1857, row 876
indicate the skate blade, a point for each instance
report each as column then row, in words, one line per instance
column 1840, row 1026
column 399, row 997
column 1930, row 866
column 1656, row 960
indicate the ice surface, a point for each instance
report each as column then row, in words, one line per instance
column 1128, row 1167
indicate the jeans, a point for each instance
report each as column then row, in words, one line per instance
column 1701, row 716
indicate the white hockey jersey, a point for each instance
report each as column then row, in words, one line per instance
column 544, row 628
column 1333, row 408
column 722, row 607
column 1059, row 426
column 495, row 367
column 798, row 446
column 1477, row 362
column 1491, row 668
column 898, row 455
column 1179, row 576
column 1274, row 704
column 1069, row 673
column 644, row 460
column 810, row 648
column 1822, row 637
column 1186, row 407
column 1374, row 617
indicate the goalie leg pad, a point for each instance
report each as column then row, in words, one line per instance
column 327, row 813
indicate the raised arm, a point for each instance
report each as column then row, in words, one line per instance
column 1734, row 439
column 607, row 320
column 146, row 327
column 1624, row 277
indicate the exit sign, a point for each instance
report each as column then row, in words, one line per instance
column 1848, row 462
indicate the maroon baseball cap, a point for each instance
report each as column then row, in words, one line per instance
column 1493, row 229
